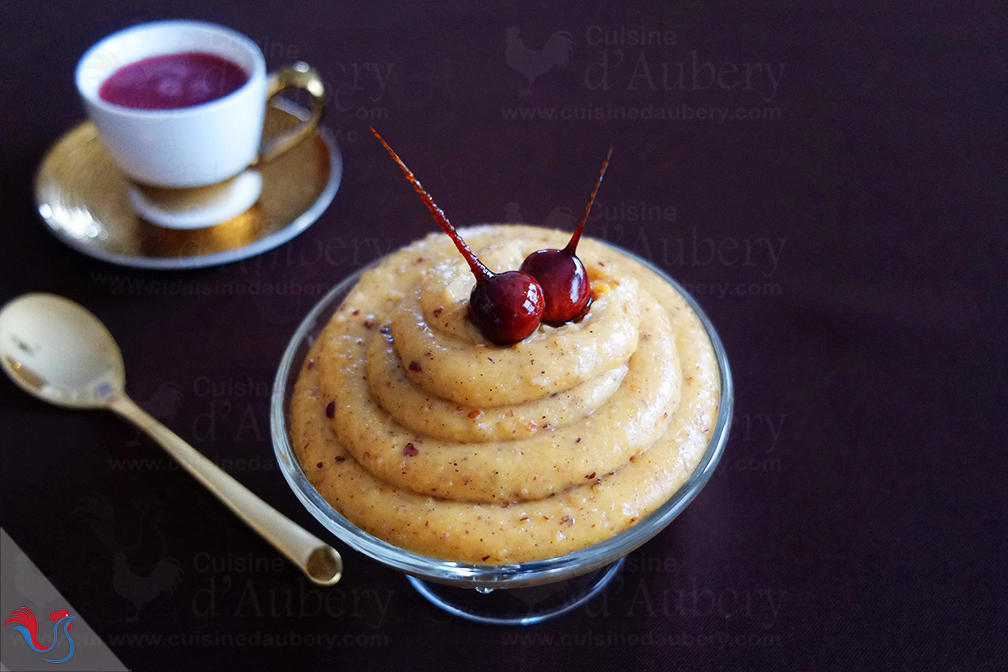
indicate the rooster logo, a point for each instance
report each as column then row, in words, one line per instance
column 536, row 62
column 558, row 218
column 163, row 405
column 28, row 627
column 138, row 585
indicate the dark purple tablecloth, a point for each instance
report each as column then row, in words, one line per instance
column 829, row 181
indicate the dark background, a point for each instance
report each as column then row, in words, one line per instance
column 859, row 512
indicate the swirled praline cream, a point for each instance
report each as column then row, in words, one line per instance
column 422, row 433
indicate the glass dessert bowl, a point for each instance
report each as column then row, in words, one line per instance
column 511, row 584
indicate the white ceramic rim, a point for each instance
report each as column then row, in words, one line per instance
column 90, row 94
column 471, row 574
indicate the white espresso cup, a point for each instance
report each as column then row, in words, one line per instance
column 200, row 145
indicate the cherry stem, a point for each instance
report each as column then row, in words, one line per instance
column 576, row 238
column 478, row 269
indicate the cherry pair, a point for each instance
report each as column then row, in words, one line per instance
column 551, row 286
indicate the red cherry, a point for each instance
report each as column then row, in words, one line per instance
column 505, row 307
column 562, row 275
column 564, row 283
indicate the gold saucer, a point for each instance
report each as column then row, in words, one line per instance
column 84, row 201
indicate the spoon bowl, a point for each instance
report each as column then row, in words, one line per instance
column 57, row 351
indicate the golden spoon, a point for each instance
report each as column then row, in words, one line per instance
column 58, row 351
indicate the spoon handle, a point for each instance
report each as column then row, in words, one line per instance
column 319, row 561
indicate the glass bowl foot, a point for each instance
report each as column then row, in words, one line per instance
column 517, row 606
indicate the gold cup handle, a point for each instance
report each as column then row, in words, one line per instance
column 301, row 76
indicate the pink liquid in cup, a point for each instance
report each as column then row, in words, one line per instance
column 172, row 81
